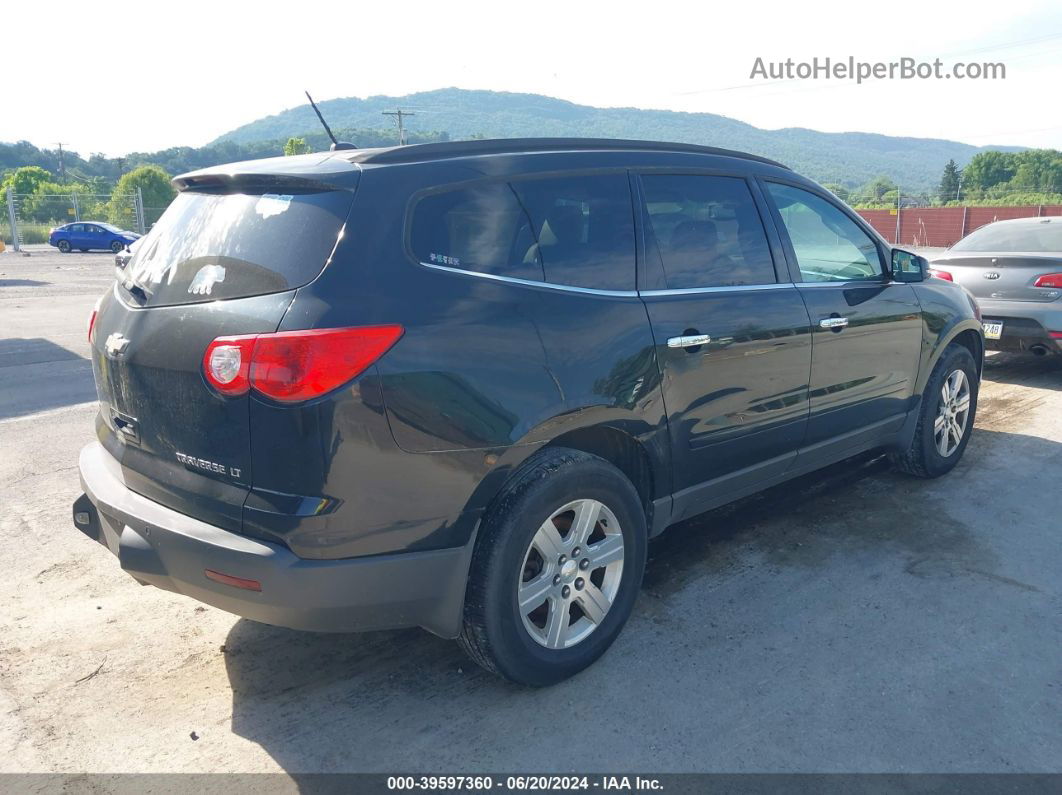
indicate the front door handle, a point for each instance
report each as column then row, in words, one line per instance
column 835, row 323
column 689, row 341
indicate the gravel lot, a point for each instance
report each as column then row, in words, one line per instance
column 856, row 620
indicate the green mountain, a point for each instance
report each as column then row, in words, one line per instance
column 847, row 158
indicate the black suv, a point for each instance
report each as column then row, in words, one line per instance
column 460, row 385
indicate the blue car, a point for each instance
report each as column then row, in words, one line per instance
column 86, row 235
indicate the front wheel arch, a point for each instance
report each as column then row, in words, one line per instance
column 966, row 332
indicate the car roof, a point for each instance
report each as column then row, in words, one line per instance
column 341, row 167
column 415, row 153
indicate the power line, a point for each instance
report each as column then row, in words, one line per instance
column 398, row 115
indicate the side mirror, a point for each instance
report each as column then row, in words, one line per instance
column 908, row 267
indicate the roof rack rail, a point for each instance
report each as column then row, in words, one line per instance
column 440, row 151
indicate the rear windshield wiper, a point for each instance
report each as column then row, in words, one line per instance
column 137, row 290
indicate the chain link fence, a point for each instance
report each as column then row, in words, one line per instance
column 32, row 216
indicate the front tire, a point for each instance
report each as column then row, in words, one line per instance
column 556, row 570
column 63, row 246
column 945, row 418
column 116, row 246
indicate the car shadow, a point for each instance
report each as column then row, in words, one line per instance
column 21, row 283
column 38, row 375
column 406, row 700
column 1024, row 369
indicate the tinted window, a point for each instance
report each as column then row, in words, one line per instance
column 1041, row 236
column 480, row 228
column 707, row 230
column 576, row 231
column 210, row 245
column 830, row 246
column 77, row 228
column 583, row 229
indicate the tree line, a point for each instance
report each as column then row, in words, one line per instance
column 1029, row 177
column 44, row 198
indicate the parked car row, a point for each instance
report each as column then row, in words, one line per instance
column 90, row 236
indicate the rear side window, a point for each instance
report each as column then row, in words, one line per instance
column 481, row 228
column 707, row 230
column 573, row 231
column 209, row 246
column 584, row 229
column 829, row 246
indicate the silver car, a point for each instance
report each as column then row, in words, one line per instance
column 1014, row 269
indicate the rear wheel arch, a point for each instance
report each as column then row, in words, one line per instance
column 621, row 450
column 618, row 448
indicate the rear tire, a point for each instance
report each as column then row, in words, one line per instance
column 945, row 418
column 568, row 530
column 63, row 246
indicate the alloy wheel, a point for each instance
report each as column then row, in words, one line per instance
column 570, row 574
column 953, row 413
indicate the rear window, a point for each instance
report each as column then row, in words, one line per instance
column 1044, row 236
column 210, row 246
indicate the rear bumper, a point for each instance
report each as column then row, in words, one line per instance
column 1026, row 324
column 167, row 549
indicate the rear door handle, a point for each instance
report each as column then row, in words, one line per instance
column 688, row 341
column 836, row 323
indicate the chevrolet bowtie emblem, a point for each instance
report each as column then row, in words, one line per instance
column 115, row 344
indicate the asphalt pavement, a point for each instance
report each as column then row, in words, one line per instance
column 856, row 620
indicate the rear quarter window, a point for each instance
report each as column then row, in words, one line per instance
column 575, row 231
column 210, row 246
column 481, row 229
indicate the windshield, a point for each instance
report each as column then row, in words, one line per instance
column 209, row 246
column 109, row 227
column 1044, row 236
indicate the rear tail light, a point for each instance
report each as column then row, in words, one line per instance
column 1055, row 335
column 92, row 320
column 293, row 366
column 939, row 274
column 1048, row 280
column 227, row 364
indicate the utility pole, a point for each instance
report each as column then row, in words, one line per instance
column 398, row 115
column 896, row 236
column 62, row 168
